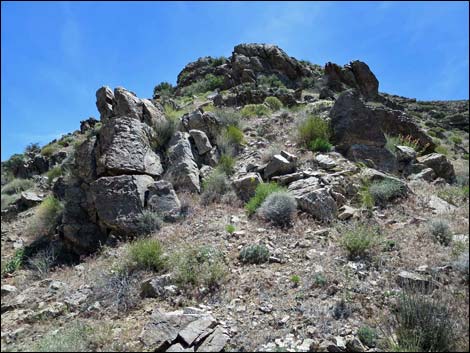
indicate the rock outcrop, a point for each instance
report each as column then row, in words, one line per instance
column 359, row 131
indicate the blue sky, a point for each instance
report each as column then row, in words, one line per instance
column 56, row 54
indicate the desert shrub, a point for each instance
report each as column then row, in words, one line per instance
column 32, row 148
column 218, row 61
column 440, row 230
column 208, row 83
column 312, row 128
column 461, row 263
column 42, row 262
column 46, row 216
column 257, row 110
column 49, row 150
column 442, row 150
column 234, row 135
column 400, row 140
column 214, row 187
column 368, row 336
column 319, row 280
column 424, row 323
column 454, row 194
column 163, row 89
column 7, row 200
column 16, row 186
column 228, row 117
column 167, row 128
column 270, row 81
column 254, row 254
column 74, row 337
column 359, row 239
column 365, row 196
column 320, row 145
column 230, row 228
column 198, row 266
column 273, row 103
column 15, row 263
column 54, row 173
column 262, row 191
column 456, row 139
column 13, row 163
column 279, row 208
column 295, row 279
column 117, row 290
column 226, row 164
column 308, row 82
column 149, row 222
column 146, row 254
column 65, row 141
column 272, row 150
column 386, row 190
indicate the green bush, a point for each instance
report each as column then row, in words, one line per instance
column 273, row 103
column 359, row 239
column 366, row 198
column 149, row 222
column 7, row 200
column 15, row 263
column 440, row 230
column 423, row 323
column 442, row 150
column 16, row 186
column 454, row 195
column 214, row 187
column 234, row 135
column 65, row 141
column 12, row 164
column 218, row 61
column 278, row 208
column 230, row 228
column 199, row 266
column 32, row 148
column 228, row 117
column 54, row 173
column 456, row 139
column 400, row 140
column 312, row 128
column 368, row 336
column 226, row 164
column 254, row 254
column 386, row 190
column 74, row 337
column 49, row 150
column 262, row 191
column 146, row 254
column 319, row 280
column 209, row 83
column 163, row 89
column 167, row 128
column 320, row 145
column 270, row 81
column 46, row 216
column 257, row 110
column 295, row 279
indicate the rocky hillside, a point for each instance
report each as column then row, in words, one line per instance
column 264, row 203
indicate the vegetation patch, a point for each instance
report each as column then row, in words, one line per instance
column 214, row 186
column 149, row 222
column 386, row 190
column 359, row 239
column 440, row 231
column 262, row 191
column 254, row 254
column 311, row 129
column 273, row 103
column 257, row 110
column 146, row 254
column 278, row 208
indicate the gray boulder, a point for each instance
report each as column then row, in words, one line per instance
column 125, row 148
column 314, row 199
column 205, row 122
column 182, row 170
column 104, row 102
column 278, row 165
column 162, row 199
column 245, row 185
column 201, row 141
column 120, row 200
column 440, row 164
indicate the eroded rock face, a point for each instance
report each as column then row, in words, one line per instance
column 356, row 74
column 182, row 170
column 125, row 148
column 203, row 121
column 120, row 200
column 359, row 130
column 162, row 199
column 245, row 185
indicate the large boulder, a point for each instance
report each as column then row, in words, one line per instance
column 314, row 199
column 203, row 121
column 162, row 199
column 440, row 165
column 279, row 165
column 182, row 170
column 104, row 102
column 245, row 186
column 125, row 148
column 120, row 200
column 201, row 141
column 358, row 130
column 354, row 75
